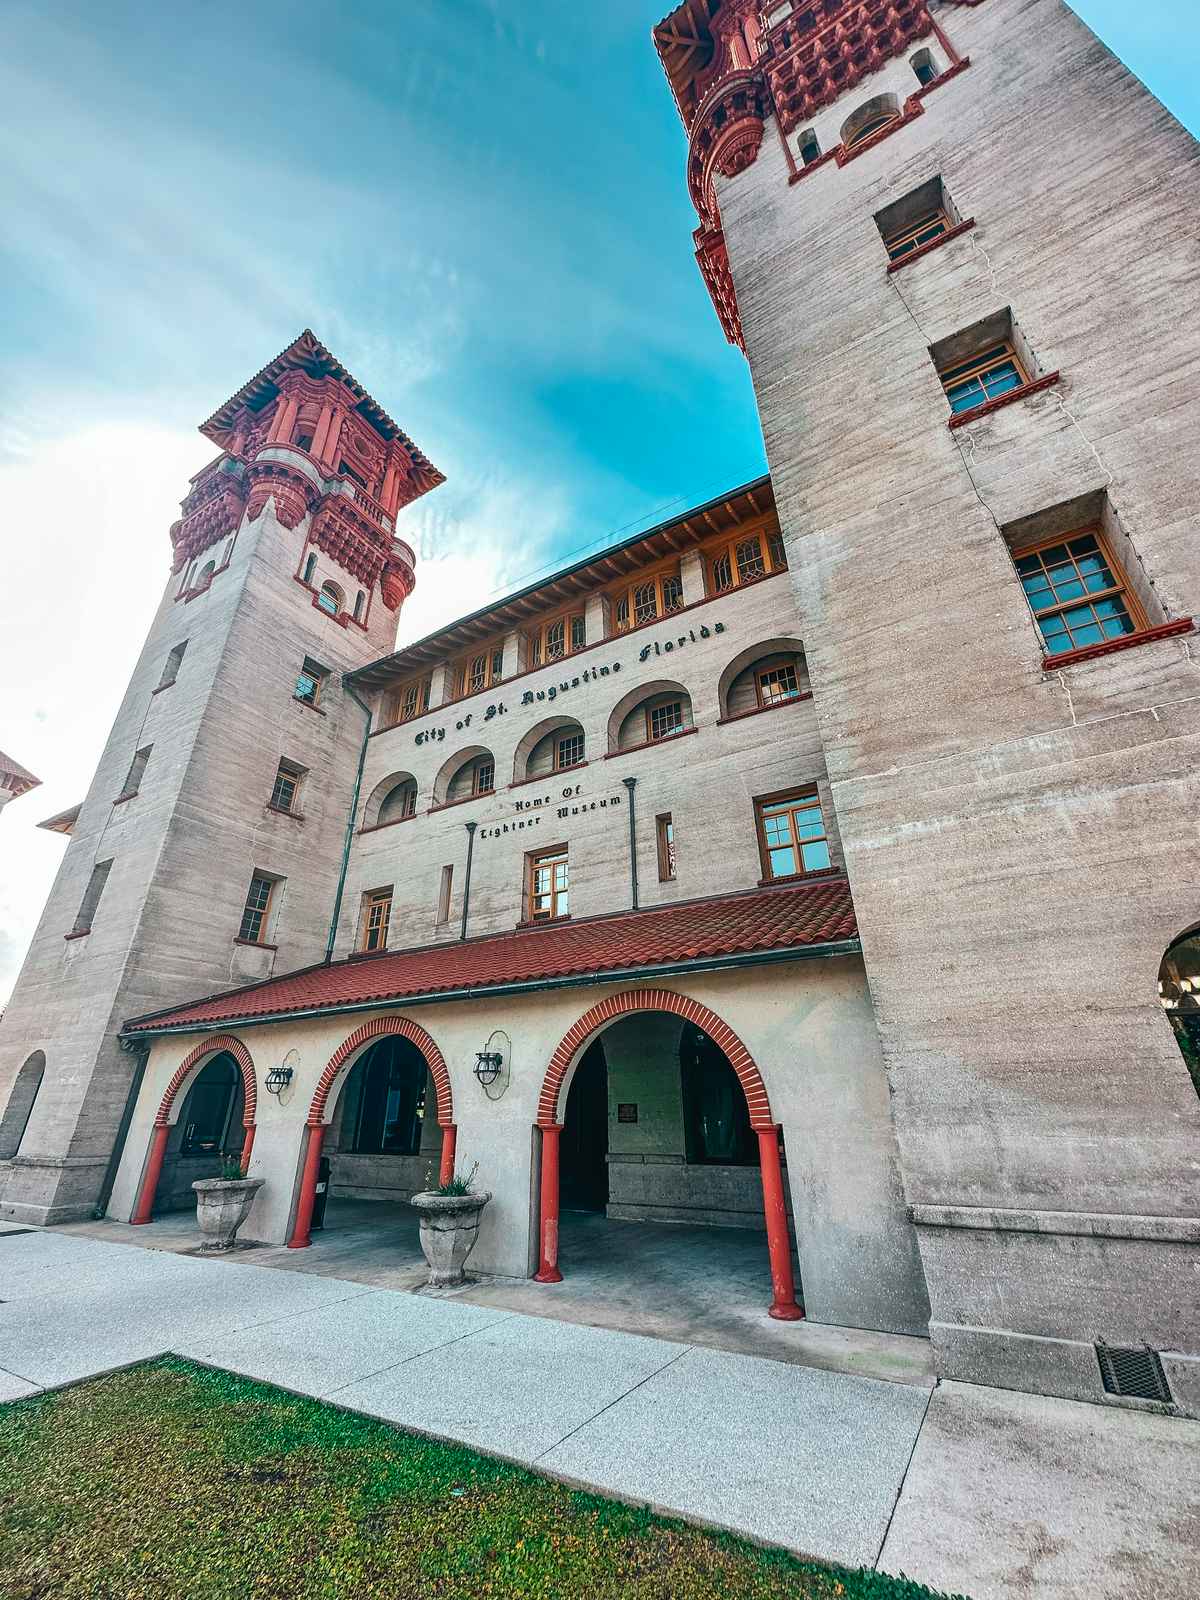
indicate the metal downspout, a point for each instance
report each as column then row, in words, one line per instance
column 470, row 826
column 362, row 761
column 629, row 784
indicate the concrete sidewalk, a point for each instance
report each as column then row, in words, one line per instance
column 981, row 1491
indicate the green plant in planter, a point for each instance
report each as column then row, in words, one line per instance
column 458, row 1185
column 231, row 1167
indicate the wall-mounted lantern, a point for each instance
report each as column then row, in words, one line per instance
column 488, row 1066
column 278, row 1079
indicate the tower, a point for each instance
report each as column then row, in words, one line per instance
column 209, row 848
column 926, row 224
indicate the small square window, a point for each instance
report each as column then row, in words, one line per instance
column 1077, row 592
column 791, row 833
column 664, row 719
column 133, row 778
column 172, row 664
column 777, row 684
column 310, row 685
column 983, row 363
column 91, row 899
column 286, row 788
column 568, row 751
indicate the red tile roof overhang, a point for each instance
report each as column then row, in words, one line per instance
column 809, row 921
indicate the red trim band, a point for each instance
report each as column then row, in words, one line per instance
column 961, row 418
column 757, row 711
column 1165, row 630
column 651, row 744
column 924, row 249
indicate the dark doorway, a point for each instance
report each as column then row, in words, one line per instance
column 584, row 1164
column 716, row 1117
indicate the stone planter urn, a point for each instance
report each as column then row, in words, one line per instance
column 222, row 1205
column 449, row 1229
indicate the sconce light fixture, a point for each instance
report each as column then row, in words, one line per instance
column 278, row 1079
column 488, row 1065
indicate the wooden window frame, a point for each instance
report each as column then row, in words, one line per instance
column 904, row 241
column 1120, row 589
column 409, row 785
column 808, row 795
column 492, row 656
column 999, row 353
column 377, row 914
column 772, row 552
column 420, row 689
column 664, row 834
column 560, row 738
column 477, row 765
column 263, row 912
column 625, row 604
column 537, row 639
column 319, row 676
column 295, row 776
column 792, row 665
column 871, row 128
column 334, row 592
column 660, row 703
column 552, row 855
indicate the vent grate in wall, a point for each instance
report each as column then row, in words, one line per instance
column 1134, row 1371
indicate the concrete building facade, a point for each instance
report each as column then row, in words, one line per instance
column 813, row 863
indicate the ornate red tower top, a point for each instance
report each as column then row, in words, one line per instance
column 305, row 433
column 732, row 64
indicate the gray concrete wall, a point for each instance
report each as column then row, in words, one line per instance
column 1016, row 839
column 183, row 850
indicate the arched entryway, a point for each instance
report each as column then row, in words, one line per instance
column 1179, row 994
column 213, row 1096
column 375, row 1086
column 20, row 1104
column 718, row 1128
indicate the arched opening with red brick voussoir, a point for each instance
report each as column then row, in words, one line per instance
column 214, row 1053
column 359, row 1054
column 721, row 1042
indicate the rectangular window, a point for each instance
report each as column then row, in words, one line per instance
column 792, row 835
column 444, row 891
column 1076, row 591
column 171, row 666
column 377, row 917
column 483, row 779
column 916, row 234
column 258, row 908
column 133, row 778
column 665, row 829
column 410, row 701
column 568, row 751
column 548, row 885
column 776, row 684
column 310, row 685
column 664, row 719
column 91, row 897
column 986, row 376
column 480, row 671
column 810, row 149
column 286, row 788
column 745, row 559
column 560, row 636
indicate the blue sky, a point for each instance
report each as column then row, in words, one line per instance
column 479, row 206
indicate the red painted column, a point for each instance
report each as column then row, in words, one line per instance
column 449, row 1144
column 144, row 1209
column 301, row 1237
column 779, row 1247
column 547, row 1271
column 322, row 433
column 247, row 1146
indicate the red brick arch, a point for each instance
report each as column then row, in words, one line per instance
column 783, row 1292
column 380, row 1028
column 220, row 1043
column 217, row 1044
column 679, row 1005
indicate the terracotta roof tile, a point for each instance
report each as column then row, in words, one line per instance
column 810, row 914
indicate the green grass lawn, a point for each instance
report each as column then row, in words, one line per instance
column 169, row 1480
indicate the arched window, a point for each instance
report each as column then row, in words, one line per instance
column 648, row 715
column 924, row 66
column 391, row 1104
column 310, row 566
column 211, row 1116
column 867, row 121
column 716, row 1116
column 771, row 674
column 205, row 576
column 476, row 776
column 20, row 1104
column 331, row 598
column 554, row 746
column 399, row 803
column 360, row 601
